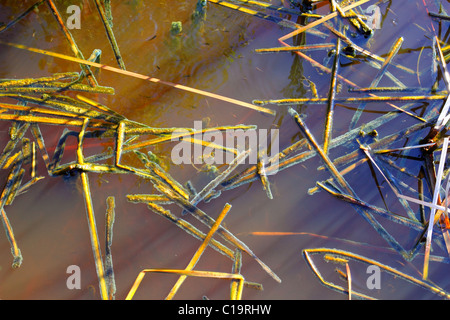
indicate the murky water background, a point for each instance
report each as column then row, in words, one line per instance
column 218, row 56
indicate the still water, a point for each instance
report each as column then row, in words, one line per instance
column 216, row 55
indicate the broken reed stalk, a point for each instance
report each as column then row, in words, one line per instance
column 394, row 50
column 280, row 21
column 325, row 69
column 192, row 273
column 371, row 55
column 218, row 180
column 236, row 269
column 109, row 270
column 290, row 102
column 15, row 251
column 183, row 202
column 26, row 12
column 15, row 174
column 38, row 81
column 163, row 176
column 443, row 117
column 312, row 141
column 91, row 218
column 296, row 48
column 208, row 221
column 349, row 281
column 189, row 229
column 410, row 223
column 143, row 77
column 73, row 45
column 269, row 6
column 307, row 253
column 321, row 20
column 355, row 20
column 261, row 170
column 336, row 175
column 110, row 34
column 200, row 250
column 436, row 198
column 438, row 15
column 181, row 135
column 331, row 98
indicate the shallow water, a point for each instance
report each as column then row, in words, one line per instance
column 218, row 56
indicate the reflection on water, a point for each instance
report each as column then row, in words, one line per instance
column 215, row 54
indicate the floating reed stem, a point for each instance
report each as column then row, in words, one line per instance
column 296, row 48
column 190, row 229
column 73, row 45
column 110, row 34
column 338, row 177
column 91, row 218
column 143, row 77
column 192, row 273
column 312, row 141
column 353, row 100
column 218, row 180
column 331, row 98
column 200, row 250
column 17, row 19
column 307, row 253
column 15, row 173
column 438, row 15
column 37, row 81
column 236, row 270
column 394, row 50
column 109, row 270
column 17, row 256
column 261, row 170
column 436, row 198
column 321, row 20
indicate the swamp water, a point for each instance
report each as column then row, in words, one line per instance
column 217, row 55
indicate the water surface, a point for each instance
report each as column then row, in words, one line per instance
column 216, row 55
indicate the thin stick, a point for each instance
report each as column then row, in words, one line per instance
column 143, row 77
column 91, row 218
